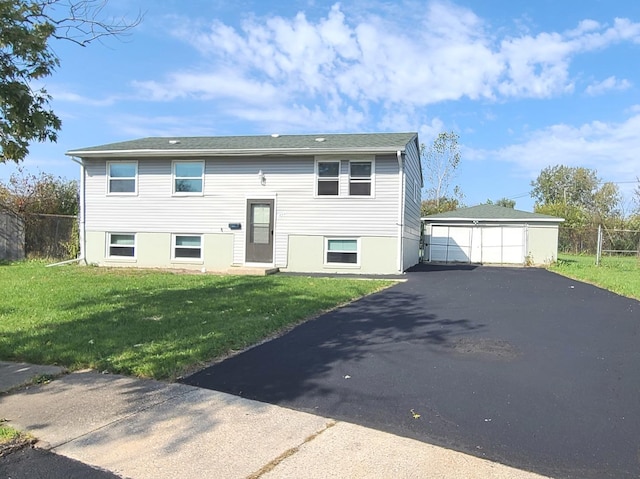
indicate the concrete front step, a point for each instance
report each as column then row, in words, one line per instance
column 252, row 270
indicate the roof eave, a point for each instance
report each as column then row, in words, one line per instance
column 138, row 153
column 494, row 220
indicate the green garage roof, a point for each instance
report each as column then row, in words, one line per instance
column 490, row 213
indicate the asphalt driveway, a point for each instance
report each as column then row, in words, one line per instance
column 520, row 366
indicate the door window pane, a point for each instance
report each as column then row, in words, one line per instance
column 261, row 224
column 260, row 234
column 261, row 213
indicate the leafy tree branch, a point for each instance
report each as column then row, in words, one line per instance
column 26, row 30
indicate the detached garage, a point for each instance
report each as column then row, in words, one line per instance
column 489, row 234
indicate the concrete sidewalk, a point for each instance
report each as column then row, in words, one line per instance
column 148, row 429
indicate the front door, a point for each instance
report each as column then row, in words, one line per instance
column 259, row 231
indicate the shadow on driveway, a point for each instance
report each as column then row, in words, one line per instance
column 521, row 366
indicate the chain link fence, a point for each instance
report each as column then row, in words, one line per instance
column 578, row 240
column 51, row 236
column 609, row 242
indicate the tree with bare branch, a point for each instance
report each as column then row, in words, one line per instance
column 439, row 163
column 26, row 29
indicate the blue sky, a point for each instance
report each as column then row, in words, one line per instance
column 526, row 84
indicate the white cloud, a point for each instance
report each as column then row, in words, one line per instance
column 222, row 84
column 610, row 148
column 61, row 95
column 164, row 125
column 272, row 66
column 611, row 83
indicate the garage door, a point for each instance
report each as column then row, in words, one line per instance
column 478, row 244
column 450, row 244
column 502, row 244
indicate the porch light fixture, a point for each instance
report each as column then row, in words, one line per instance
column 262, row 178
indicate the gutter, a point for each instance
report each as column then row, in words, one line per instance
column 400, row 223
column 137, row 153
column 81, row 216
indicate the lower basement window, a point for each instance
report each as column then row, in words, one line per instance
column 342, row 251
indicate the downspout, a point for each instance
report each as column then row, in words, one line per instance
column 81, row 212
column 400, row 212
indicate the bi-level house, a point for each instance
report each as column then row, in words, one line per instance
column 347, row 203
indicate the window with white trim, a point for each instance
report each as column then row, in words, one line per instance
column 328, row 178
column 342, row 251
column 188, row 177
column 122, row 177
column 187, row 247
column 121, row 245
column 360, row 178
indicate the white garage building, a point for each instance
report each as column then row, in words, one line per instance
column 489, row 234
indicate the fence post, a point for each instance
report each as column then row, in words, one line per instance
column 599, row 246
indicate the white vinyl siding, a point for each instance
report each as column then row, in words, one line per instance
column 229, row 182
column 122, row 177
column 412, row 205
column 188, row 177
column 186, row 247
column 121, row 245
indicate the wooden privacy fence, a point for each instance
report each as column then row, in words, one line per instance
column 12, row 236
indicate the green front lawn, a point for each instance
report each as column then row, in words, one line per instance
column 151, row 323
column 618, row 274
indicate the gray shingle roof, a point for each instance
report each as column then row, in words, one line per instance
column 220, row 144
column 491, row 212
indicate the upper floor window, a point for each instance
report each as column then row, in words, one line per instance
column 328, row 178
column 188, row 177
column 360, row 178
column 121, row 177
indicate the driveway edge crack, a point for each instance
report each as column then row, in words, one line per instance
column 289, row 452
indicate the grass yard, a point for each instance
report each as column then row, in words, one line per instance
column 617, row 274
column 10, row 436
column 151, row 323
